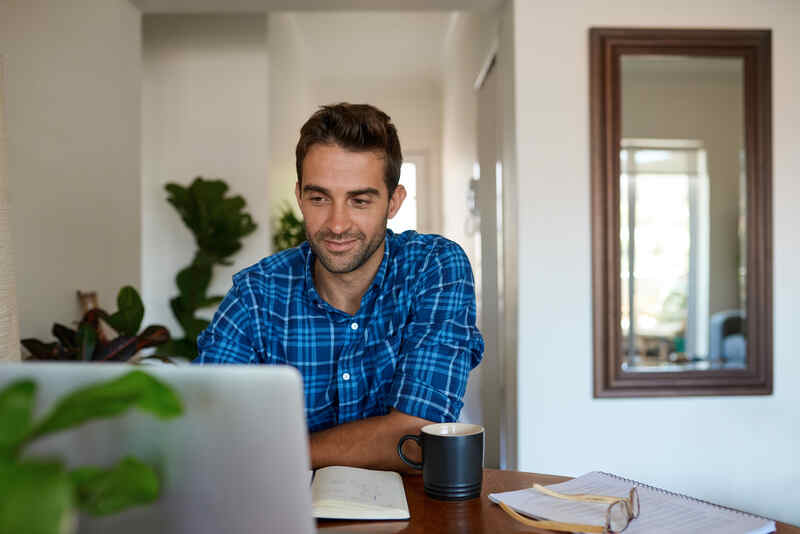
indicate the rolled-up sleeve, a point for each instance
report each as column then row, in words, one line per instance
column 441, row 343
column 227, row 339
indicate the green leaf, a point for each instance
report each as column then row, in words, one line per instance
column 211, row 301
column 16, row 413
column 128, row 318
column 289, row 230
column 134, row 389
column 218, row 224
column 42, row 351
column 66, row 336
column 37, row 498
column 108, row 491
column 87, row 341
column 192, row 326
column 193, row 282
column 183, row 348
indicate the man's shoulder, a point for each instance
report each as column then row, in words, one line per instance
column 417, row 250
column 279, row 268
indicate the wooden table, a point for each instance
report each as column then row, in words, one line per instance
column 475, row 516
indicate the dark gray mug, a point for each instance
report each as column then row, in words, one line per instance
column 452, row 460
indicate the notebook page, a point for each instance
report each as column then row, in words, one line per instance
column 359, row 486
column 660, row 513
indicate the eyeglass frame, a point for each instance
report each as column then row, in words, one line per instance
column 633, row 497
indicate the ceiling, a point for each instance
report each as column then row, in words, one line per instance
column 249, row 6
column 382, row 45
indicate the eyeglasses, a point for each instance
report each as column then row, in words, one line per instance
column 620, row 512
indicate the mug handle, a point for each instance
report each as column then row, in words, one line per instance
column 413, row 464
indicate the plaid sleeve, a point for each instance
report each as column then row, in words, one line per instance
column 441, row 344
column 226, row 340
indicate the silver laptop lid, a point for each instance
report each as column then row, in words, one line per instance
column 236, row 461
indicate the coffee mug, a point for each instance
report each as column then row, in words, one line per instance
column 452, row 460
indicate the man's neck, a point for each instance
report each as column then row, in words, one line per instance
column 344, row 291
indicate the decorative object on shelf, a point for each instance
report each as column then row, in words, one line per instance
column 41, row 495
column 218, row 224
column 91, row 342
column 289, row 230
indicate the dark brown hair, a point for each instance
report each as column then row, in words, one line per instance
column 355, row 127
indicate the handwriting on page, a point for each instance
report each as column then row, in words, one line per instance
column 381, row 488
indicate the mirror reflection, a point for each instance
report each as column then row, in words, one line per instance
column 682, row 213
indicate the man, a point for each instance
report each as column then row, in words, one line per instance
column 380, row 325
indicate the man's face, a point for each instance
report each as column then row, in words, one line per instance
column 345, row 205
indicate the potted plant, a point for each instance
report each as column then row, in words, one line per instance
column 218, row 224
column 89, row 341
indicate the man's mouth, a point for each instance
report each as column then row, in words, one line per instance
column 339, row 246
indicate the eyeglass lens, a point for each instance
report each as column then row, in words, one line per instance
column 618, row 517
column 634, row 500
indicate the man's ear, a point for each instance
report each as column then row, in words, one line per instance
column 298, row 195
column 396, row 200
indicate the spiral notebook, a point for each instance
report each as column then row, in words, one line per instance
column 662, row 512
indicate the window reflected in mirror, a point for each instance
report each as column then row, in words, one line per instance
column 682, row 186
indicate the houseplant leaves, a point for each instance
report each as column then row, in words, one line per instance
column 218, row 224
column 16, row 413
column 134, row 389
column 37, row 498
column 89, row 342
column 108, row 491
column 130, row 312
column 40, row 496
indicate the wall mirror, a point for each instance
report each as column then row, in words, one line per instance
column 681, row 212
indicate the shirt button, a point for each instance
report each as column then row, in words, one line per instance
column 354, row 326
column 346, row 376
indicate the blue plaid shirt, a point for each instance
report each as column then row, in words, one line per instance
column 410, row 346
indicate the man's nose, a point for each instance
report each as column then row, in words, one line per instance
column 338, row 219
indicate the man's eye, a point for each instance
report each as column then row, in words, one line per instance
column 360, row 202
column 317, row 199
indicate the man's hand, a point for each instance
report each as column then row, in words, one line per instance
column 369, row 443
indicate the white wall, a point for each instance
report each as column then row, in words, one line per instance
column 390, row 60
column 9, row 322
column 73, row 119
column 415, row 110
column 290, row 105
column 739, row 451
column 463, row 57
column 204, row 113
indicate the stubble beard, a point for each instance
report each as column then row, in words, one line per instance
column 358, row 257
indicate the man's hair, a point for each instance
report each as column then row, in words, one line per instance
column 354, row 127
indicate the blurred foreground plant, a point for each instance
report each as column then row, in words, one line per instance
column 42, row 496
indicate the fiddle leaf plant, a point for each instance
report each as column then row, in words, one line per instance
column 218, row 223
column 42, row 495
column 89, row 342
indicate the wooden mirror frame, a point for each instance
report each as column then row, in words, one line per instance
column 606, row 47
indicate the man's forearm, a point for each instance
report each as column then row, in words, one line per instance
column 370, row 443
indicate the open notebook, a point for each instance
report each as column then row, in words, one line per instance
column 352, row 493
column 662, row 512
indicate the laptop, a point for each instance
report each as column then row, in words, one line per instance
column 237, row 460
